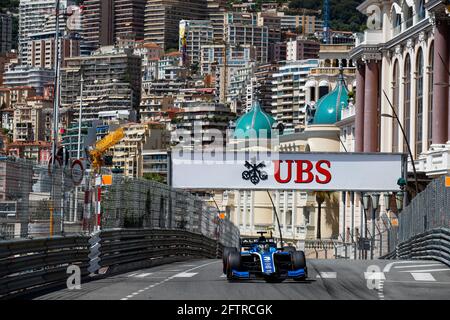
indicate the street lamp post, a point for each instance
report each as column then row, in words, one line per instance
column 374, row 199
column 404, row 137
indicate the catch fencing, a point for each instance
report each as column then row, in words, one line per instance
column 423, row 226
column 428, row 210
column 37, row 200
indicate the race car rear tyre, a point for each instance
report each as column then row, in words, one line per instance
column 289, row 249
column 226, row 252
column 233, row 262
column 298, row 260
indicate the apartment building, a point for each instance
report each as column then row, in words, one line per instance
column 34, row 17
column 5, row 33
column 139, row 137
column 104, row 21
column 29, row 119
column 212, row 57
column 41, row 49
column 194, row 124
column 162, row 18
column 301, row 49
column 193, row 35
column 288, row 93
column 27, row 76
column 112, row 81
column 304, row 24
column 244, row 34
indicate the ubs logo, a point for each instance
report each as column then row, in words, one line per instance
column 254, row 172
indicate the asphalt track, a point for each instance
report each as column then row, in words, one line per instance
column 327, row 279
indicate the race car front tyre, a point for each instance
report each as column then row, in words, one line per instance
column 233, row 262
column 298, row 260
column 226, row 252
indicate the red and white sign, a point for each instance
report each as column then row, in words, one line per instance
column 287, row 171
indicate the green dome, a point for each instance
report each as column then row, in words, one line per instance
column 329, row 107
column 255, row 119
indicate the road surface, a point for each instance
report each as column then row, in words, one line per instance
column 328, row 279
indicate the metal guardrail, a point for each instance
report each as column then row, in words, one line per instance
column 125, row 249
column 30, row 265
column 433, row 244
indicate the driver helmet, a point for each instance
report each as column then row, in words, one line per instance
column 264, row 247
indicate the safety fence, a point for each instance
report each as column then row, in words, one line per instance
column 423, row 226
column 38, row 200
column 32, row 265
column 428, row 210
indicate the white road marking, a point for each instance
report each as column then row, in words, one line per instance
column 143, row 275
column 428, row 270
column 327, row 275
column 132, row 275
column 184, row 275
column 374, row 276
column 169, row 278
column 387, row 268
column 418, row 266
column 176, row 270
column 421, row 276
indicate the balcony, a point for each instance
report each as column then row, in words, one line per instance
column 434, row 162
column 369, row 37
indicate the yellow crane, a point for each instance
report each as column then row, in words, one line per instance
column 101, row 146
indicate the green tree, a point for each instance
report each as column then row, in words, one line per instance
column 154, row 177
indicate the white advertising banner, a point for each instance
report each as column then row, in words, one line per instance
column 287, row 171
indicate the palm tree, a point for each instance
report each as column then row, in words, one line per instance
column 320, row 198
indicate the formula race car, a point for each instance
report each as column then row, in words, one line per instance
column 260, row 258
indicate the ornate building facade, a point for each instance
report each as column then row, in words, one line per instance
column 403, row 60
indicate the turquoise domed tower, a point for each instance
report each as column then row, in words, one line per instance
column 255, row 119
column 329, row 107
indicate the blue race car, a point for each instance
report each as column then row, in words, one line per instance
column 260, row 258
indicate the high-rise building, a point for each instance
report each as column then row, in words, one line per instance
column 242, row 28
column 193, row 35
column 106, row 20
column 26, row 76
column 301, row 49
column 303, row 24
column 41, row 49
column 216, row 14
column 288, row 93
column 263, row 83
column 112, row 81
column 36, row 16
column 5, row 32
column 162, row 18
column 212, row 56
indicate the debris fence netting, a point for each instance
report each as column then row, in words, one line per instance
column 38, row 200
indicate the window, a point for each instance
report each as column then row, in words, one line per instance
column 430, row 96
column 421, row 10
column 408, row 12
column 395, row 102
column 419, row 102
column 407, row 101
